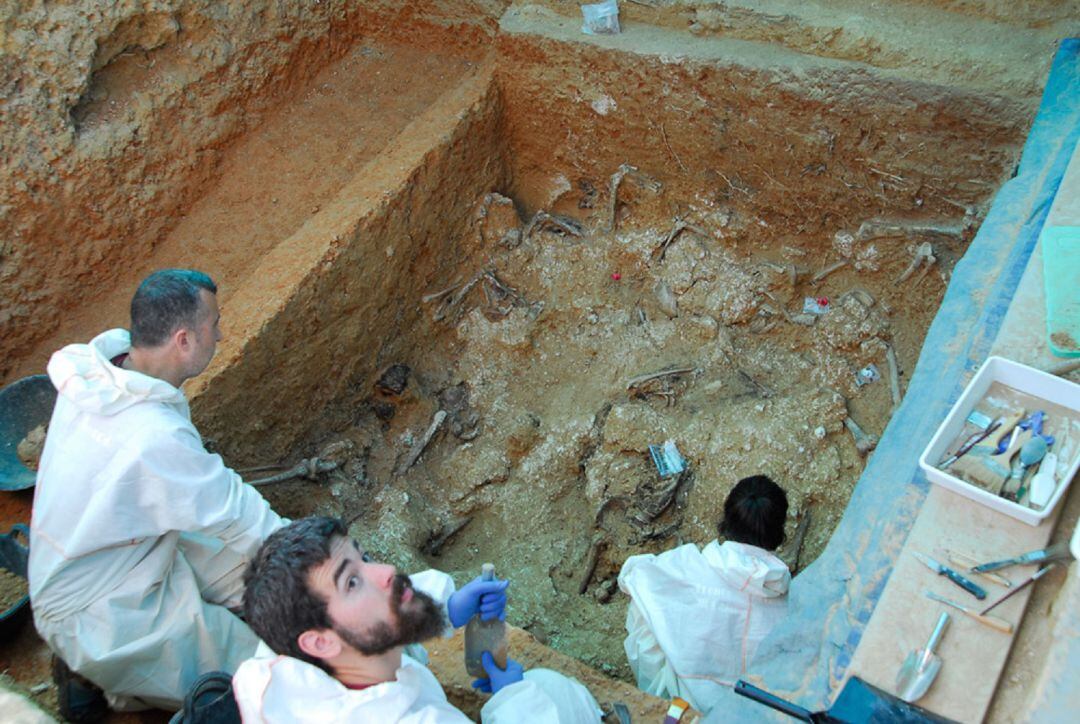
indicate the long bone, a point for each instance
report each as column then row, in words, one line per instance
column 623, row 171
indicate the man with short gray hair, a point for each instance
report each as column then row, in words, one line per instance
column 139, row 536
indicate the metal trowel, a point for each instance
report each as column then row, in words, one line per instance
column 921, row 666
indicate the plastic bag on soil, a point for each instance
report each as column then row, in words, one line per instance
column 601, row 18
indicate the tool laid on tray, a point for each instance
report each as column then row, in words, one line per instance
column 1047, row 558
column 967, row 563
column 970, row 443
column 857, row 701
column 994, row 622
column 972, row 457
column 970, row 586
column 921, row 666
column 1056, row 552
column 1034, row 577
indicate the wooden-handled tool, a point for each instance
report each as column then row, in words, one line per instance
column 999, row 624
column 973, row 465
column 998, row 468
column 967, row 563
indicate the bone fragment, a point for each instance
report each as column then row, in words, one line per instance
column 864, row 442
column 303, row 469
column 679, row 227
column 542, row 218
column 642, row 379
column 669, row 305
column 924, row 256
column 860, row 295
column 450, row 303
column 418, row 449
column 928, row 262
column 616, row 180
column 816, row 279
column 436, row 295
column 877, row 229
column 894, row 375
column 806, row 320
column 597, row 547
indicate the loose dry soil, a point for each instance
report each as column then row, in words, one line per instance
column 532, row 333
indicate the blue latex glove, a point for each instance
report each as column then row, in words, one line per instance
column 487, row 598
column 498, row 678
column 1033, row 422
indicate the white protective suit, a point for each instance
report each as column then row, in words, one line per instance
column 272, row 689
column 696, row 617
column 139, row 536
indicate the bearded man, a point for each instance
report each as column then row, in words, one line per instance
column 336, row 625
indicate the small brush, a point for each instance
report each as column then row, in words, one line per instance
column 972, row 466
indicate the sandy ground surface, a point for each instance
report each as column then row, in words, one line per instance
column 535, row 344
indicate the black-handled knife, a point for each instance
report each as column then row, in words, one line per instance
column 970, row 586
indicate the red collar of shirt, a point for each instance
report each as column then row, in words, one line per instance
column 357, row 687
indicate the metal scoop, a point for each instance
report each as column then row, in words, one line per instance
column 921, row 666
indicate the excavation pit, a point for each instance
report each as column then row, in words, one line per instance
column 573, row 247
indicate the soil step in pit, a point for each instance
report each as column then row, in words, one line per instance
column 280, row 176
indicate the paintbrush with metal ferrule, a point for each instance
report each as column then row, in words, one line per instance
column 971, row 442
column 1034, row 577
column 973, row 464
column 1056, row 552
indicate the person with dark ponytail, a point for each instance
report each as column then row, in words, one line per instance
column 696, row 616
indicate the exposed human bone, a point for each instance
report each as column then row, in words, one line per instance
column 816, row 279
column 864, row 442
column 304, row 469
column 877, row 229
column 623, row 171
column 597, row 546
column 542, row 219
column 679, row 227
column 924, row 257
column 894, row 375
column 418, row 449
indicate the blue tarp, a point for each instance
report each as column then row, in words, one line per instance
column 805, row 658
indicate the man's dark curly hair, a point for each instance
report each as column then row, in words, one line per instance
column 754, row 513
column 278, row 603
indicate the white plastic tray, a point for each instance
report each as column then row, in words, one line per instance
column 1020, row 377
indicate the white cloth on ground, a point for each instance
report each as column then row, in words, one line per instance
column 273, row 689
column 139, row 536
column 696, row 617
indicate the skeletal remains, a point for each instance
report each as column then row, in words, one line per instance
column 679, row 227
column 501, row 298
column 924, row 258
column 626, row 170
column 562, row 224
column 864, row 442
